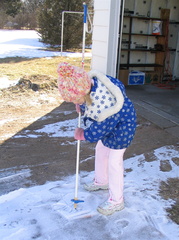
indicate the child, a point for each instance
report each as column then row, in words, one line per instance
column 112, row 121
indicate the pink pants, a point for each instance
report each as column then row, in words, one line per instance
column 109, row 170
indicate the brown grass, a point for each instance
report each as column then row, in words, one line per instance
column 15, row 68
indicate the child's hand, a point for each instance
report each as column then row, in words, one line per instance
column 79, row 134
column 78, row 110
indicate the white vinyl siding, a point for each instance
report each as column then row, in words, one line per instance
column 105, row 35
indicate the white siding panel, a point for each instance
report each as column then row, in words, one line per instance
column 99, row 63
column 102, row 4
column 100, row 48
column 105, row 35
column 101, row 22
column 100, row 34
column 101, row 18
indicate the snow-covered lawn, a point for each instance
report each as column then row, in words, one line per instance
column 25, row 43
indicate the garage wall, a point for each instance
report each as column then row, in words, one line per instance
column 152, row 8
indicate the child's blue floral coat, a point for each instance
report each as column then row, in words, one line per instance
column 111, row 114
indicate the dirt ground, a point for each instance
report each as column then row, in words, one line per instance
column 29, row 107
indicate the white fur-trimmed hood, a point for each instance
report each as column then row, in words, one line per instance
column 115, row 91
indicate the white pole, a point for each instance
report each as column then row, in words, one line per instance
column 77, row 163
column 62, row 33
column 84, row 32
column 79, row 118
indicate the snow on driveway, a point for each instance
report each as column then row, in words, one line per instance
column 47, row 213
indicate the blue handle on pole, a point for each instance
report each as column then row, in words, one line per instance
column 85, row 7
column 76, row 200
